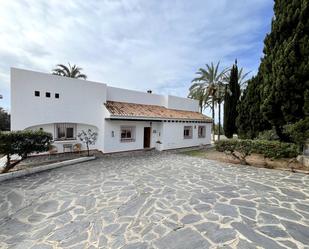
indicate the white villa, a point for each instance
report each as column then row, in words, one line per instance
column 125, row 120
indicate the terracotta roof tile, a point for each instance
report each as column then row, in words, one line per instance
column 131, row 110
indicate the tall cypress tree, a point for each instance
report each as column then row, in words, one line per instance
column 285, row 66
column 250, row 120
column 230, row 103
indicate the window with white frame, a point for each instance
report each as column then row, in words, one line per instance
column 201, row 131
column 187, row 132
column 127, row 134
column 65, row 131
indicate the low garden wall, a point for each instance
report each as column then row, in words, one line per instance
column 24, row 172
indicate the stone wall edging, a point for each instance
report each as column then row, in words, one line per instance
column 25, row 172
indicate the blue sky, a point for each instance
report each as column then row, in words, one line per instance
column 135, row 44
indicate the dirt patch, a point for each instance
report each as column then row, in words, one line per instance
column 256, row 160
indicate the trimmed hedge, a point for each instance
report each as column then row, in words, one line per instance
column 23, row 143
column 270, row 149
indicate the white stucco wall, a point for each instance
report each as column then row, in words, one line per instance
column 172, row 102
column 80, row 101
column 114, row 144
column 59, row 144
column 50, row 128
column 130, row 96
column 178, row 103
column 172, row 134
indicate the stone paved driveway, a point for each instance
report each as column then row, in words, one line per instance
column 156, row 201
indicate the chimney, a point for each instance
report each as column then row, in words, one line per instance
column 149, row 91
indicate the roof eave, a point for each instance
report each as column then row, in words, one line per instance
column 155, row 118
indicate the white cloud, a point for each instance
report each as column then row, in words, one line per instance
column 131, row 43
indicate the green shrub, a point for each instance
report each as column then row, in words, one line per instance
column 240, row 149
column 298, row 132
column 270, row 135
column 233, row 145
column 275, row 149
column 22, row 143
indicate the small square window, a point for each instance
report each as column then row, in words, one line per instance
column 57, row 95
column 37, row 93
column 47, row 94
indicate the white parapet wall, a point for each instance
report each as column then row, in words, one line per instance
column 179, row 103
column 79, row 101
column 171, row 102
column 131, row 96
column 60, row 100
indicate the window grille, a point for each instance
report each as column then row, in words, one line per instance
column 65, row 131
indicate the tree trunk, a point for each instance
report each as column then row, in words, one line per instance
column 219, row 110
column 213, row 119
column 9, row 165
column 88, row 149
column 281, row 135
column 242, row 159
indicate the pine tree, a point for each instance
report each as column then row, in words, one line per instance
column 230, row 103
column 285, row 66
column 250, row 120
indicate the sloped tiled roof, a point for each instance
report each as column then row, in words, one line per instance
column 132, row 110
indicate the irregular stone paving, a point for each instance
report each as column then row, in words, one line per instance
column 155, row 201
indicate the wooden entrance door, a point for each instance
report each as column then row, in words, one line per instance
column 147, row 133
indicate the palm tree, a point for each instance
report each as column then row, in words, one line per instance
column 197, row 91
column 71, row 72
column 219, row 98
column 209, row 78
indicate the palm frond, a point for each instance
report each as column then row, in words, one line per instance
column 65, row 69
column 57, row 71
column 70, row 71
column 199, row 79
column 82, row 76
column 216, row 69
column 242, row 77
column 209, row 88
